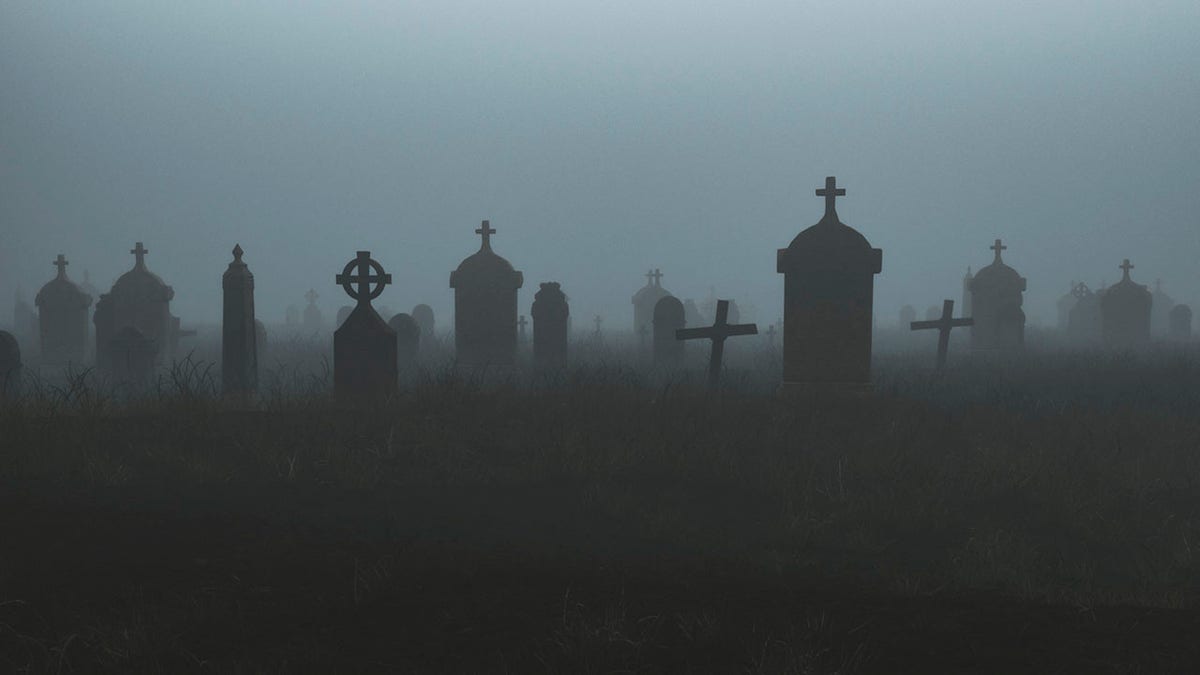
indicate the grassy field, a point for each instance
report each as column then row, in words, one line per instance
column 1038, row 515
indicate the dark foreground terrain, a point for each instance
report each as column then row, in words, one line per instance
column 1042, row 517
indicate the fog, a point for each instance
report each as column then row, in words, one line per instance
column 600, row 139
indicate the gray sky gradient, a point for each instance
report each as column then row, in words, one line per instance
column 601, row 139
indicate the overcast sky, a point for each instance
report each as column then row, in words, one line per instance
column 601, row 139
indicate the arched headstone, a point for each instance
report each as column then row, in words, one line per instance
column 63, row 318
column 669, row 317
column 423, row 315
column 997, row 293
column 485, row 306
column 1125, row 312
column 408, row 340
column 550, row 313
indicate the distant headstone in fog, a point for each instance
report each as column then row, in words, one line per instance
column 485, row 306
column 550, row 313
column 343, row 313
column 142, row 301
column 1160, row 311
column 423, row 315
column 364, row 346
column 908, row 314
column 10, row 366
column 829, row 280
column 1125, row 312
column 997, row 293
column 314, row 321
column 1083, row 319
column 943, row 324
column 717, row 333
column 669, row 317
column 239, row 329
column 1065, row 303
column 646, row 298
column 63, row 318
column 408, row 340
column 1181, row 322
column 291, row 316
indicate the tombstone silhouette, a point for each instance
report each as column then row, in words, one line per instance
column 669, row 317
column 645, row 299
column 943, row 324
column 717, row 333
column 364, row 347
column 829, row 280
column 10, row 366
column 550, row 318
column 239, row 329
column 1083, row 319
column 485, row 306
column 63, row 318
column 996, row 297
column 313, row 319
column 423, row 315
column 408, row 339
column 1181, row 322
column 141, row 300
column 1125, row 312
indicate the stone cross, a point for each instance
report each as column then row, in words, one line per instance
column 358, row 286
column 61, row 263
column 1125, row 266
column 485, row 232
column 998, row 247
column 831, row 192
column 717, row 332
column 943, row 325
column 140, row 252
column 656, row 276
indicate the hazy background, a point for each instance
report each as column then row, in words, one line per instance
column 601, row 139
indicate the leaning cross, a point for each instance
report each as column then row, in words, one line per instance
column 140, row 252
column 831, row 192
column 717, row 332
column 1125, row 267
column 61, row 263
column 358, row 286
column 998, row 247
column 486, row 231
column 943, row 325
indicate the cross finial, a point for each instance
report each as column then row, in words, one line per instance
column 657, row 276
column 998, row 247
column 1125, row 266
column 61, row 263
column 237, row 252
column 831, row 192
column 140, row 252
column 486, row 231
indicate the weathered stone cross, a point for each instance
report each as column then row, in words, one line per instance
column 1125, row 267
column 61, row 263
column 717, row 332
column 140, row 252
column 998, row 247
column 486, row 231
column 656, row 276
column 831, row 192
column 943, row 325
column 358, row 286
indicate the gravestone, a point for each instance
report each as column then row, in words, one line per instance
column 239, row 330
column 669, row 317
column 423, row 315
column 132, row 356
column 314, row 321
column 408, row 340
column 965, row 308
column 717, row 334
column 943, row 324
column 364, row 346
column 1181, row 323
column 10, row 366
column 343, row 313
column 142, row 301
column 485, row 306
column 829, row 280
column 997, row 293
column 1083, row 319
column 1160, row 311
column 63, row 318
column 1125, row 312
column 291, row 316
column 645, row 299
column 550, row 318
column 908, row 314
column 1065, row 303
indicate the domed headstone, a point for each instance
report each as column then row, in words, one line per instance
column 423, row 315
column 63, row 318
column 141, row 301
column 1181, row 322
column 10, row 366
column 485, row 306
column 829, row 285
column 550, row 313
column 669, row 317
column 364, row 346
column 646, row 298
column 1125, row 312
column 408, row 339
column 997, row 293
column 239, row 329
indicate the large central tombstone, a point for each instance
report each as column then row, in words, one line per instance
column 364, row 346
column 485, row 306
column 142, row 301
column 63, row 318
column 669, row 318
column 646, row 298
column 829, row 282
column 996, row 298
column 239, row 330
column 550, row 312
column 1125, row 312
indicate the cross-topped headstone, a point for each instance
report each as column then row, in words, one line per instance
column 717, row 333
column 140, row 252
column 369, row 272
column 656, row 276
column 943, row 326
column 485, row 232
column 365, row 351
column 61, row 263
column 831, row 192
column 1125, row 266
column 998, row 246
